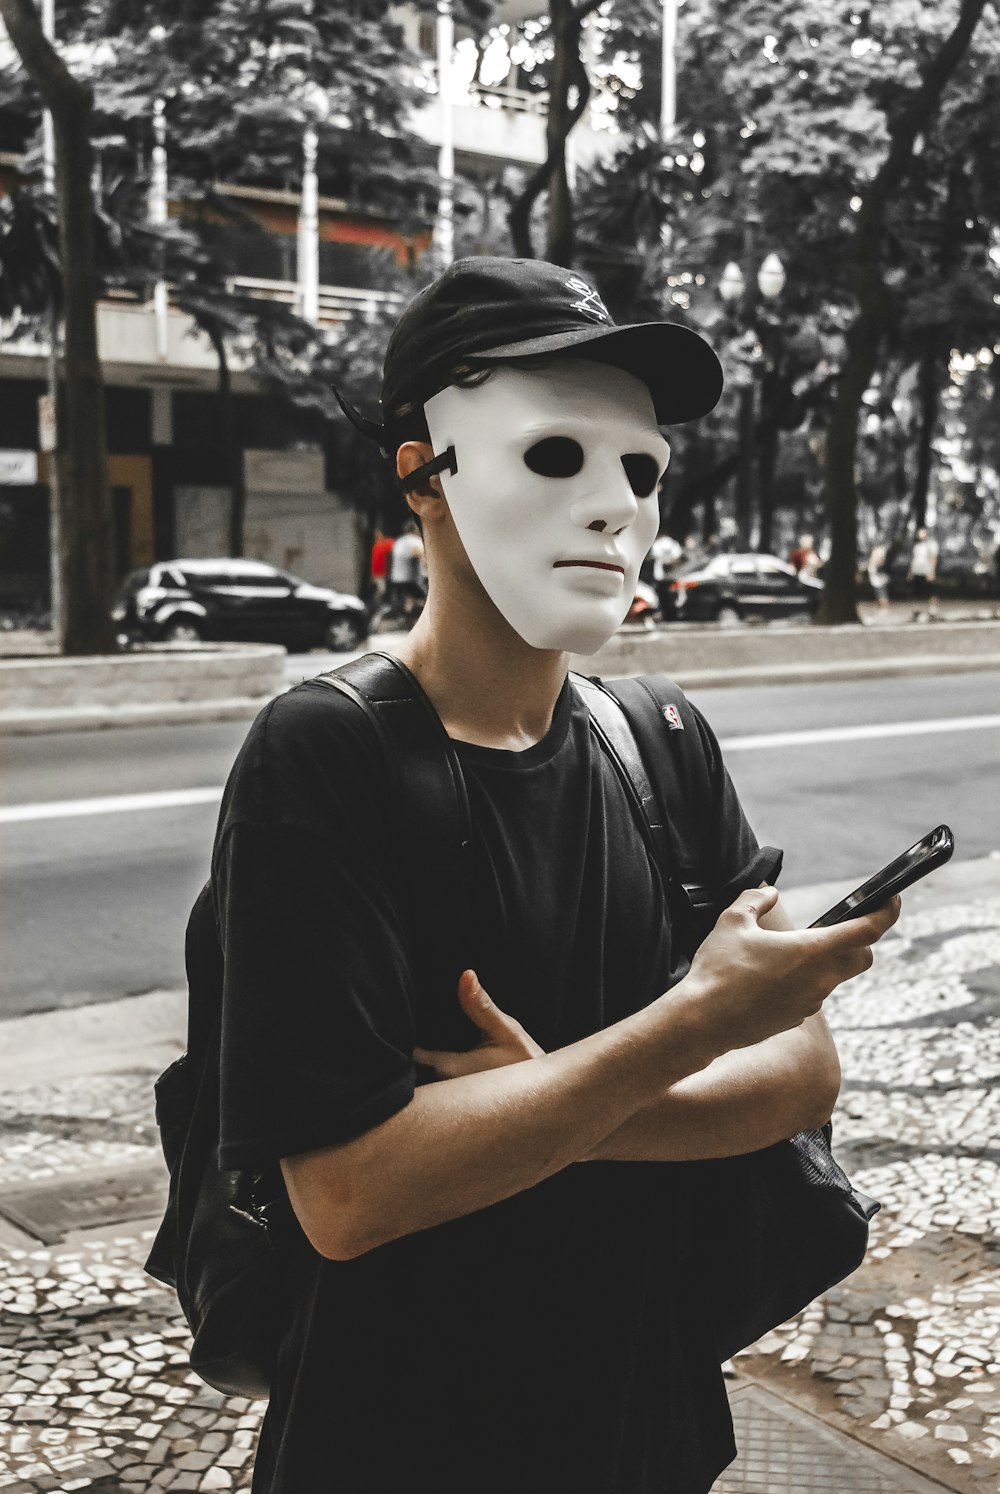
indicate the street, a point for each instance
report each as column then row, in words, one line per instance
column 97, row 897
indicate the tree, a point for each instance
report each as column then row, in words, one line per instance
column 568, row 89
column 873, row 310
column 239, row 86
column 86, row 516
column 785, row 120
column 238, row 89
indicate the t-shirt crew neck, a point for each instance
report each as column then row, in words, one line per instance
column 551, row 1341
column 473, row 754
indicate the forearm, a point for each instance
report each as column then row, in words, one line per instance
column 469, row 1142
column 747, row 1099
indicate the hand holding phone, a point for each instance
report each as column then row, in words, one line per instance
column 929, row 853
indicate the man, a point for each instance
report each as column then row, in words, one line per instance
column 492, row 1288
column 381, row 551
column 922, row 572
column 665, row 555
column 804, row 557
column 406, row 570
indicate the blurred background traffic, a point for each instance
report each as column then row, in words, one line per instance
column 241, row 202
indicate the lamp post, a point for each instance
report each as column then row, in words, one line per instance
column 308, row 235
column 445, row 228
column 733, row 288
column 48, row 405
column 158, row 214
column 668, row 92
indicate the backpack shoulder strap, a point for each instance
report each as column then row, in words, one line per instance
column 666, row 728
column 418, row 749
column 425, row 774
column 648, row 721
column 614, row 732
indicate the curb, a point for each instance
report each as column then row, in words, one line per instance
column 154, row 713
column 242, row 708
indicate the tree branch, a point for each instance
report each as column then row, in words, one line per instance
column 39, row 57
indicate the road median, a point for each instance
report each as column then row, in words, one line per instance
column 161, row 683
column 169, row 684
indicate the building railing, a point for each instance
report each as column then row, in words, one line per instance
column 336, row 302
column 487, row 95
column 517, row 100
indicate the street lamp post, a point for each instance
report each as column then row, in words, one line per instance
column 445, row 229
column 736, row 293
column 48, row 416
column 668, row 92
column 158, row 211
column 308, row 236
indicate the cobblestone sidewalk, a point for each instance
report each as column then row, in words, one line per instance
column 95, row 1393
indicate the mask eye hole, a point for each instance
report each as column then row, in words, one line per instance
column 555, row 456
column 642, row 472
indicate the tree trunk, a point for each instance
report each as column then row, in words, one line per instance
column 86, row 516
column 567, row 71
column 233, row 450
column 767, row 462
column 745, row 469
column 839, row 604
column 864, row 336
column 928, row 403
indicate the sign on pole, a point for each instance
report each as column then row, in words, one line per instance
column 47, row 422
column 18, row 469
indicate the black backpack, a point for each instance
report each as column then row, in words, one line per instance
column 221, row 1243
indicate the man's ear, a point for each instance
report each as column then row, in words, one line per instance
column 410, row 456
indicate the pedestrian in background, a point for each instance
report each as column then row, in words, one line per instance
column 381, row 551
column 665, row 556
column 804, row 557
column 878, row 576
column 406, row 570
column 923, row 573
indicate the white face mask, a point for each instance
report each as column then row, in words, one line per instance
column 555, row 496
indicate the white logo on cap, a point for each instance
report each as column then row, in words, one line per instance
column 590, row 302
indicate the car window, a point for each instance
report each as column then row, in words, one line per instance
column 202, row 578
column 269, row 579
column 134, row 581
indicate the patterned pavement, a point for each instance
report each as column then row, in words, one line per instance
column 889, row 1382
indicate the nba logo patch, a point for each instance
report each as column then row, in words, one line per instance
column 672, row 717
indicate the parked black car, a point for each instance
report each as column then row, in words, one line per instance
column 183, row 601
column 728, row 588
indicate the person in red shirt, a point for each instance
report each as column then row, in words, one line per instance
column 381, row 550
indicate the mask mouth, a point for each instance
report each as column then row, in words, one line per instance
column 599, row 565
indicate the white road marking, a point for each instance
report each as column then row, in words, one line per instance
column 13, row 814
column 856, row 733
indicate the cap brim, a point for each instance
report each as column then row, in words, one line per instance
column 682, row 372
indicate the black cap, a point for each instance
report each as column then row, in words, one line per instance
column 486, row 308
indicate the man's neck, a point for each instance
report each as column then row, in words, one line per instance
column 488, row 686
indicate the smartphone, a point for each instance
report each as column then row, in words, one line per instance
column 933, row 851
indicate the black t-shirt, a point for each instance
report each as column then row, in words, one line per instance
column 551, row 1341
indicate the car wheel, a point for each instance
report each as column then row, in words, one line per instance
column 182, row 630
column 343, row 634
column 727, row 616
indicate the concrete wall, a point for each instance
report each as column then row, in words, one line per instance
column 59, row 693
column 311, row 534
column 687, row 649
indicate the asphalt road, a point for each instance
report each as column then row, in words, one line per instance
column 95, row 900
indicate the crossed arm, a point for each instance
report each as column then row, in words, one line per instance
column 644, row 1089
column 747, row 1099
